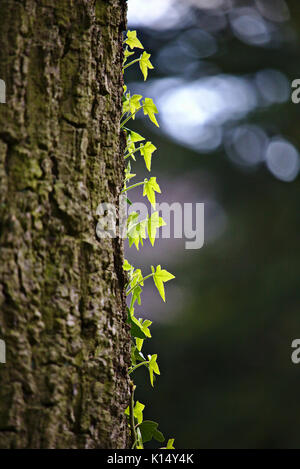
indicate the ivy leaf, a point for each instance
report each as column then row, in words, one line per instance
column 131, row 150
column 154, row 223
column 135, row 137
column 160, row 277
column 133, row 41
column 145, row 327
column 139, row 344
column 137, row 355
column 136, row 278
column 136, row 232
column 136, row 295
column 136, row 329
column 127, row 54
column 126, row 103
column 131, row 103
column 153, row 367
column 127, row 266
column 134, row 104
column 146, row 152
column 132, row 138
column 150, row 109
column 170, row 444
column 132, row 220
column 128, row 174
column 138, row 411
column 149, row 430
column 145, row 64
column 150, row 187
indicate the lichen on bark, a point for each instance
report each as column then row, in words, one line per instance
column 62, row 305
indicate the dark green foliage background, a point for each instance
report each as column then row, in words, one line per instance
column 227, row 377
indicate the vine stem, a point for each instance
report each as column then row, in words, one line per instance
column 126, row 128
column 129, row 154
column 128, row 118
column 139, row 283
column 133, row 186
column 132, row 423
column 137, row 366
column 131, row 63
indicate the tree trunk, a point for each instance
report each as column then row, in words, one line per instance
column 62, row 305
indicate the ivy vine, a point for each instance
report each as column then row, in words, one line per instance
column 137, row 231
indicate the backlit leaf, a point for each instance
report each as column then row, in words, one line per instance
column 150, row 110
column 160, row 277
column 150, row 187
column 145, row 64
column 133, row 41
column 146, row 152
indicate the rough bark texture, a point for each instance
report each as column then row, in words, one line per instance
column 62, row 310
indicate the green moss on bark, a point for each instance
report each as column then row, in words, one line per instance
column 62, row 306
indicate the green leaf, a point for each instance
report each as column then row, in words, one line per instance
column 132, row 218
column 150, row 109
column 131, row 150
column 136, row 281
column 134, row 104
column 138, row 356
column 146, row 152
column 145, row 325
column 160, row 277
column 127, row 54
column 132, row 138
column 135, row 137
column 150, row 187
column 126, row 103
column 128, row 174
column 139, row 343
column 145, row 64
column 133, row 41
column 149, row 430
column 138, row 411
column 154, row 223
column 153, row 367
column 170, row 444
column 136, row 278
column 136, row 231
column 136, row 329
column 126, row 265
column 145, row 328
column 136, row 295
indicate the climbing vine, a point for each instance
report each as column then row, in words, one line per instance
column 137, row 231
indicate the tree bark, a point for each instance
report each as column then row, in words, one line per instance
column 62, row 307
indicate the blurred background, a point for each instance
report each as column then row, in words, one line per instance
column 229, row 136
